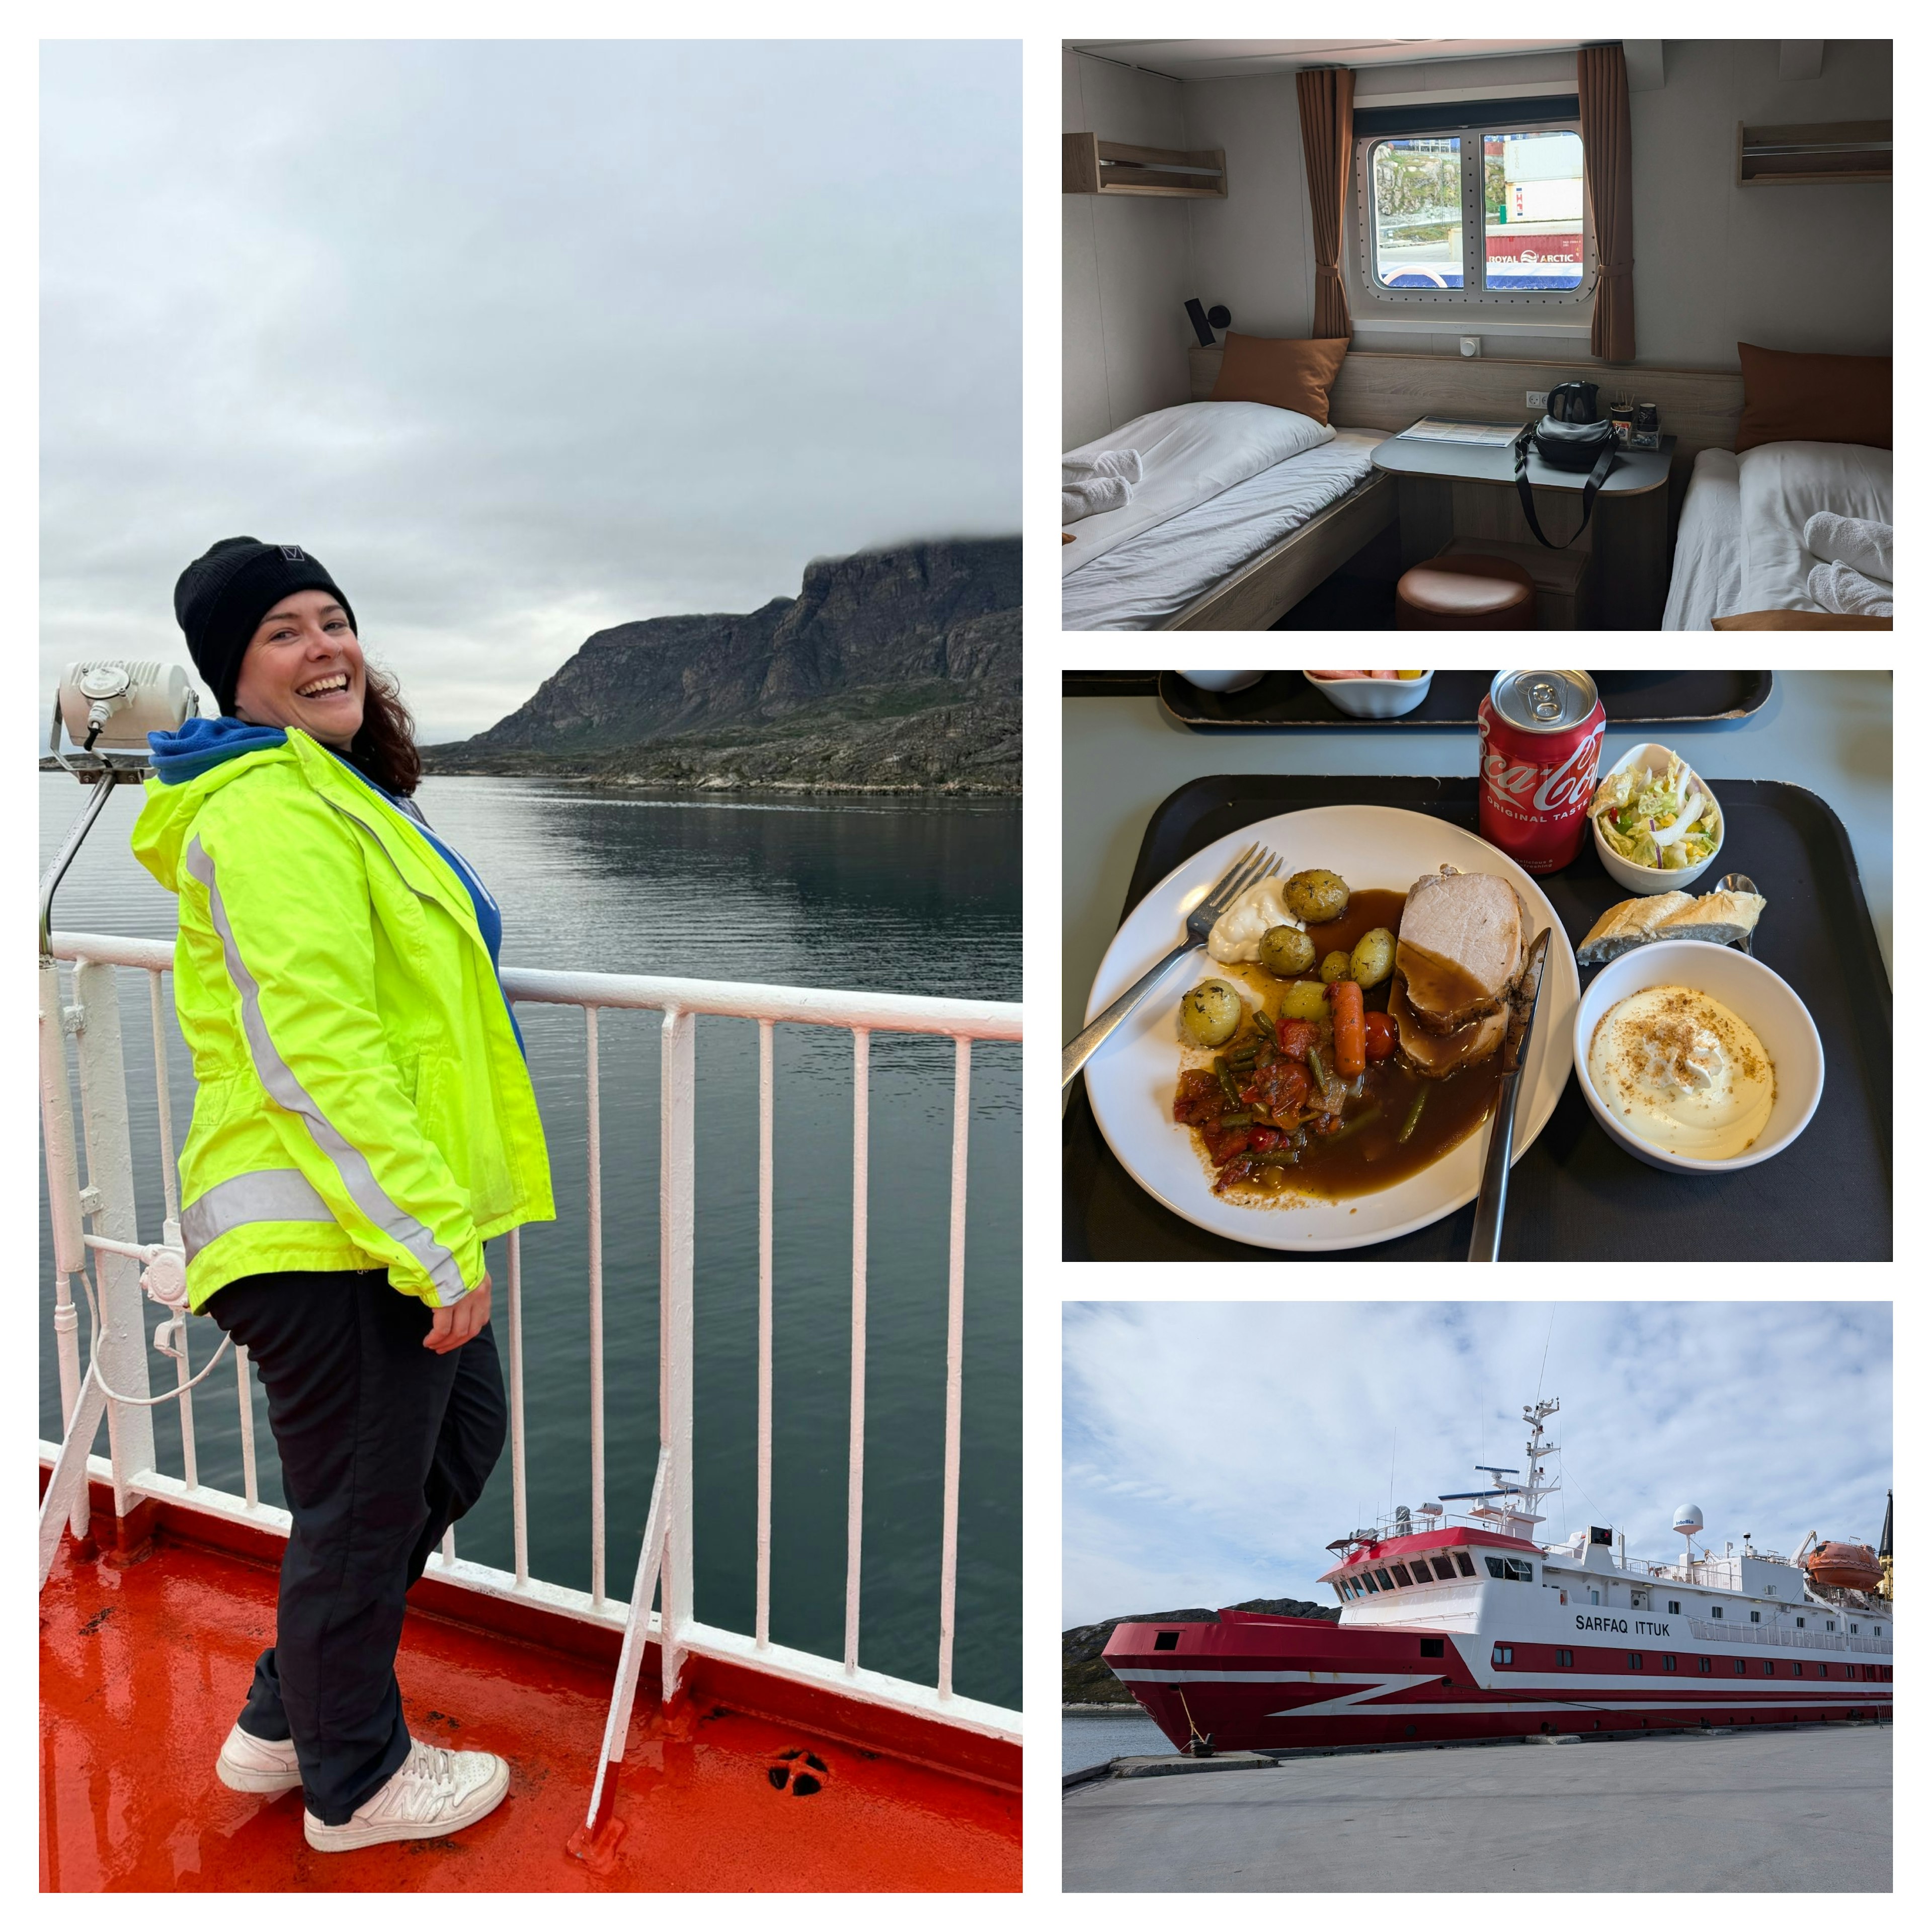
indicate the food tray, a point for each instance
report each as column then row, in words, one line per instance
column 1576, row 1196
column 1285, row 700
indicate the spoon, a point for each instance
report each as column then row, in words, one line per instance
column 1736, row 882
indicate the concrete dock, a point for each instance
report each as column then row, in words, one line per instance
column 1729, row 1811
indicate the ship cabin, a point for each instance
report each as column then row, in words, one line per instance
column 1478, row 1582
column 1477, row 334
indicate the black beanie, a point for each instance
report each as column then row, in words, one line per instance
column 225, row 593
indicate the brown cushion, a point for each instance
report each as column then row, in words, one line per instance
column 1814, row 398
column 1286, row 375
column 1466, row 587
column 1797, row 620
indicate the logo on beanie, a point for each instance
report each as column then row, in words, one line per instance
column 292, row 553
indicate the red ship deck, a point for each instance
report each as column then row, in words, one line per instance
column 142, row 1670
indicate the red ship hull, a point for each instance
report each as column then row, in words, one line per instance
column 1247, row 1682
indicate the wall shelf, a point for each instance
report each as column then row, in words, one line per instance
column 1812, row 152
column 1090, row 165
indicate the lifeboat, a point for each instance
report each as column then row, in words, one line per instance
column 1844, row 1566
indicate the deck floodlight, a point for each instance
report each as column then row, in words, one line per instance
column 108, row 706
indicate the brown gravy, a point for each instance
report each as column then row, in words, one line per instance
column 1371, row 1158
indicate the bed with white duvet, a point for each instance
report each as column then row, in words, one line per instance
column 1741, row 543
column 1220, row 483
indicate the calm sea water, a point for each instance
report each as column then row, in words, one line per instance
column 1092, row 1737
column 915, row 898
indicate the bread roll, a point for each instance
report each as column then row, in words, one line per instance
column 1721, row 918
column 1629, row 924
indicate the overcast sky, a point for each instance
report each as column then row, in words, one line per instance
column 1212, row 1449
column 520, row 339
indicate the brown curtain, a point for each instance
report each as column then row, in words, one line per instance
column 1327, row 96
column 1602, row 96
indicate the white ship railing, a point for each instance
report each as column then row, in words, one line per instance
column 93, row 1021
column 1777, row 1637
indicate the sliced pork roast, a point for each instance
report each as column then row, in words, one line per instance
column 1465, row 938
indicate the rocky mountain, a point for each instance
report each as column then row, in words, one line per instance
column 893, row 670
column 1084, row 1678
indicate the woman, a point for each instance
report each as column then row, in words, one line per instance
column 364, row 1122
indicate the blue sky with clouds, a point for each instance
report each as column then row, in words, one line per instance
column 1212, row 1449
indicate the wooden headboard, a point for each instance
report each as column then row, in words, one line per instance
column 1700, row 407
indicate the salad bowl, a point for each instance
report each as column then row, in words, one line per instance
column 1629, row 774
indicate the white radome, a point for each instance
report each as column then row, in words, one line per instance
column 1688, row 1520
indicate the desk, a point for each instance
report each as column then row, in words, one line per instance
column 1830, row 731
column 1450, row 489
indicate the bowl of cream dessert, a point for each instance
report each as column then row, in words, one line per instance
column 1697, row 1058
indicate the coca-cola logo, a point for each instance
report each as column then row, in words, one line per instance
column 1559, row 790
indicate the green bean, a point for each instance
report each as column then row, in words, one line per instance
column 1236, row 1120
column 1227, row 1080
column 1316, row 1071
column 1415, row 1108
column 1361, row 1120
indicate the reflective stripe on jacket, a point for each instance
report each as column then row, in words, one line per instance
column 361, row 1098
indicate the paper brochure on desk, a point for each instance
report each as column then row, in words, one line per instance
column 1444, row 429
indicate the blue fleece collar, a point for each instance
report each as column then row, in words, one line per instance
column 202, row 743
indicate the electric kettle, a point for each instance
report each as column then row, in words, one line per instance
column 1573, row 402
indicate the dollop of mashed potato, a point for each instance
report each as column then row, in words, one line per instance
column 1679, row 1069
column 1237, row 932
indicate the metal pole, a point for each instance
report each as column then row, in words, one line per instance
column 677, row 1131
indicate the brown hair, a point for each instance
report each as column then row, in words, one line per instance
column 384, row 749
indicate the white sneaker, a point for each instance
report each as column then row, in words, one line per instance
column 435, row 1791
column 254, row 1764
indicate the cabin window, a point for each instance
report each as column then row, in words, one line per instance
column 1431, row 1646
column 1503, row 1654
column 1519, row 1569
column 1456, row 215
column 1831, row 1623
column 1401, row 1572
column 1382, row 1578
column 1444, row 1569
column 1564, row 1659
column 1676, row 1608
column 1463, row 1563
column 1670, row 1664
column 1878, row 1630
column 1704, row 1665
column 1797, row 1670
column 1855, row 1629
column 1717, row 1611
column 1770, row 1666
column 1738, row 1666
column 1167, row 1640
column 1849, row 1671
column 1596, row 1596
column 1634, row 1658
column 1801, row 1623
column 1756, row 1618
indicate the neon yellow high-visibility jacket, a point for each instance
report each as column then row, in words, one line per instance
column 361, row 1098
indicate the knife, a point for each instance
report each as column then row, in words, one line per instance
column 1485, row 1238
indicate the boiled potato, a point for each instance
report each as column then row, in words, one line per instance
column 1210, row 1014
column 1306, row 1000
column 1335, row 966
column 1373, row 958
column 1316, row 897
column 1287, row 950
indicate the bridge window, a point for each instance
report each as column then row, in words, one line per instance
column 1444, row 1569
column 1519, row 1569
column 1704, row 1665
column 1669, row 1663
column 1368, row 1578
column 1167, row 1640
column 1504, row 1653
column 1463, row 1563
column 1495, row 1565
column 1401, row 1572
column 1431, row 1646
column 1564, row 1659
column 1382, row 1578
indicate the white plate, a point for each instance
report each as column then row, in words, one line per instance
column 1131, row 1081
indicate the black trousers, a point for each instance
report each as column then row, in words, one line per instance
column 384, row 1444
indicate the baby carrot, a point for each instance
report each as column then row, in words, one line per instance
column 1350, row 1042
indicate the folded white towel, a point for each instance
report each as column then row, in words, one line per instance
column 1866, row 546
column 1838, row 587
column 1090, row 497
column 1124, row 463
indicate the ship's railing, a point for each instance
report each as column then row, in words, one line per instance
column 107, row 1202
column 1776, row 1636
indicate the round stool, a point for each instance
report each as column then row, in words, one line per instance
column 1466, row 593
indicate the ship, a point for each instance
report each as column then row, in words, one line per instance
column 1460, row 1627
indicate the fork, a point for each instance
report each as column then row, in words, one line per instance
column 1253, row 865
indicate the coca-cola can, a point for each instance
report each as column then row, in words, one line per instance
column 1538, row 734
